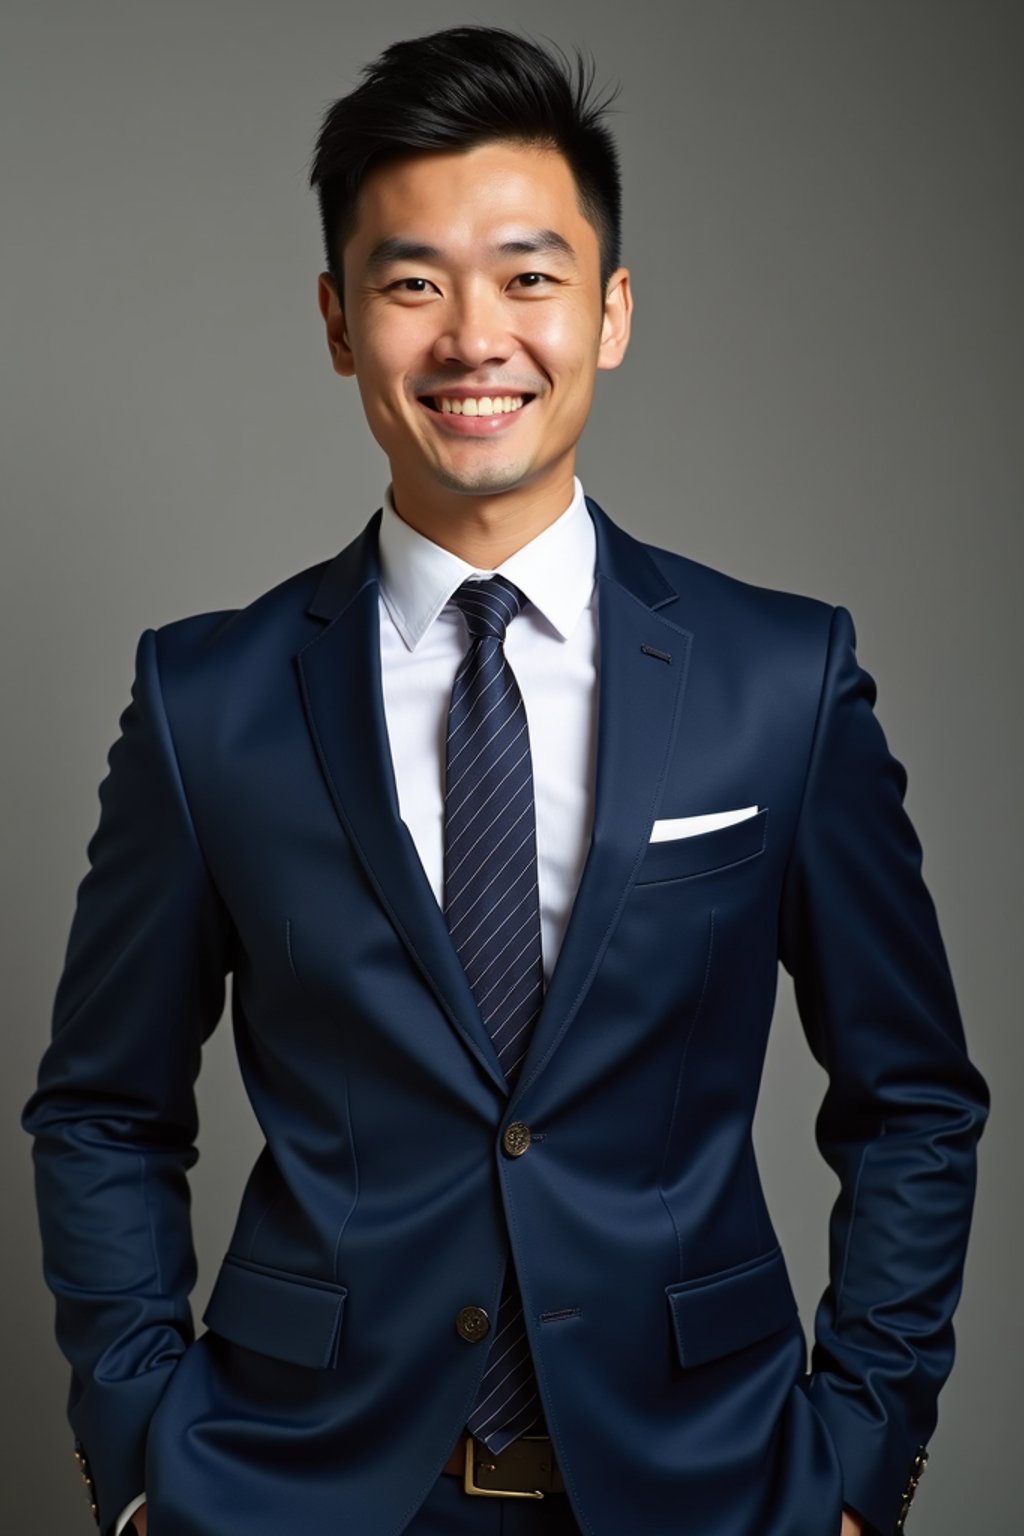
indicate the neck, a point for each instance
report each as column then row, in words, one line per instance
column 483, row 530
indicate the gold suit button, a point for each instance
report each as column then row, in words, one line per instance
column 472, row 1323
column 516, row 1139
column 916, row 1471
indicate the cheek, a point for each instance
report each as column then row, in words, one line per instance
column 386, row 350
column 564, row 345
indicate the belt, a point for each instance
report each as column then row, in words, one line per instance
column 525, row 1469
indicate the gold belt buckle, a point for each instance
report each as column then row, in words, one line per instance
column 471, row 1486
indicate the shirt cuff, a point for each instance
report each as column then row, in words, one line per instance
column 127, row 1512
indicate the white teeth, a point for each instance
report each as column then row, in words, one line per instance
column 485, row 405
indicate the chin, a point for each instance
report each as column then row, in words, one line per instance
column 488, row 479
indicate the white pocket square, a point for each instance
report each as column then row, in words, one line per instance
column 692, row 826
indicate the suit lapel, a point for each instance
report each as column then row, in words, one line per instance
column 643, row 660
column 344, row 700
column 642, row 666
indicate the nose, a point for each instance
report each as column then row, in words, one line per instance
column 474, row 330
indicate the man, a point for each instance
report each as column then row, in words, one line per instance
column 502, row 821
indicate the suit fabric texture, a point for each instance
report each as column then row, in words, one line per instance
column 249, row 825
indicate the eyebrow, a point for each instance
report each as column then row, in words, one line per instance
column 540, row 242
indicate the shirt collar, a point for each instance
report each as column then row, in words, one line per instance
column 554, row 571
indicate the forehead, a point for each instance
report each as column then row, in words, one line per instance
column 465, row 197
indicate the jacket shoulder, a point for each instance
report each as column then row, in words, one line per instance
column 276, row 619
column 714, row 600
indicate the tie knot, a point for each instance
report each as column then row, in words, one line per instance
column 488, row 604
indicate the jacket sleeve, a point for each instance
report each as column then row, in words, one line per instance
column 114, row 1116
column 904, row 1106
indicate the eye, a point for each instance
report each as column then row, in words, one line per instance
column 414, row 285
column 533, row 279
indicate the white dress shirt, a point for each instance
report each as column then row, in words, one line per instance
column 551, row 646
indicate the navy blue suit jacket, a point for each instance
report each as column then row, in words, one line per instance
column 250, row 825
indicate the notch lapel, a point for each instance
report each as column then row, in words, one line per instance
column 343, row 696
column 643, row 660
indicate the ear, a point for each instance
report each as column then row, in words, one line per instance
column 334, row 322
column 615, row 326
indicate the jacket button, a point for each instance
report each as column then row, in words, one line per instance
column 516, row 1139
column 472, row 1323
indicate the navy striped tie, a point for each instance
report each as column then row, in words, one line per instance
column 492, row 909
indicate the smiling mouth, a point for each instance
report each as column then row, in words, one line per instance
column 475, row 405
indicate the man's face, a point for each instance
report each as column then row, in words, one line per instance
column 474, row 319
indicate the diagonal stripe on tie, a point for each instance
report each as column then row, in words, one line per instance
column 492, row 908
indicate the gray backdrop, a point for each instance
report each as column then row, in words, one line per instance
column 824, row 392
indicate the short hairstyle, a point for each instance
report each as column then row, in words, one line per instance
column 456, row 89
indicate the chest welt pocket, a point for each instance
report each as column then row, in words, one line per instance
column 680, row 858
column 277, row 1313
column 717, row 1314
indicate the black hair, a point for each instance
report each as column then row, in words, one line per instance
column 456, row 89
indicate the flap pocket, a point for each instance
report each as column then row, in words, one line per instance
column 677, row 858
column 277, row 1313
column 717, row 1314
